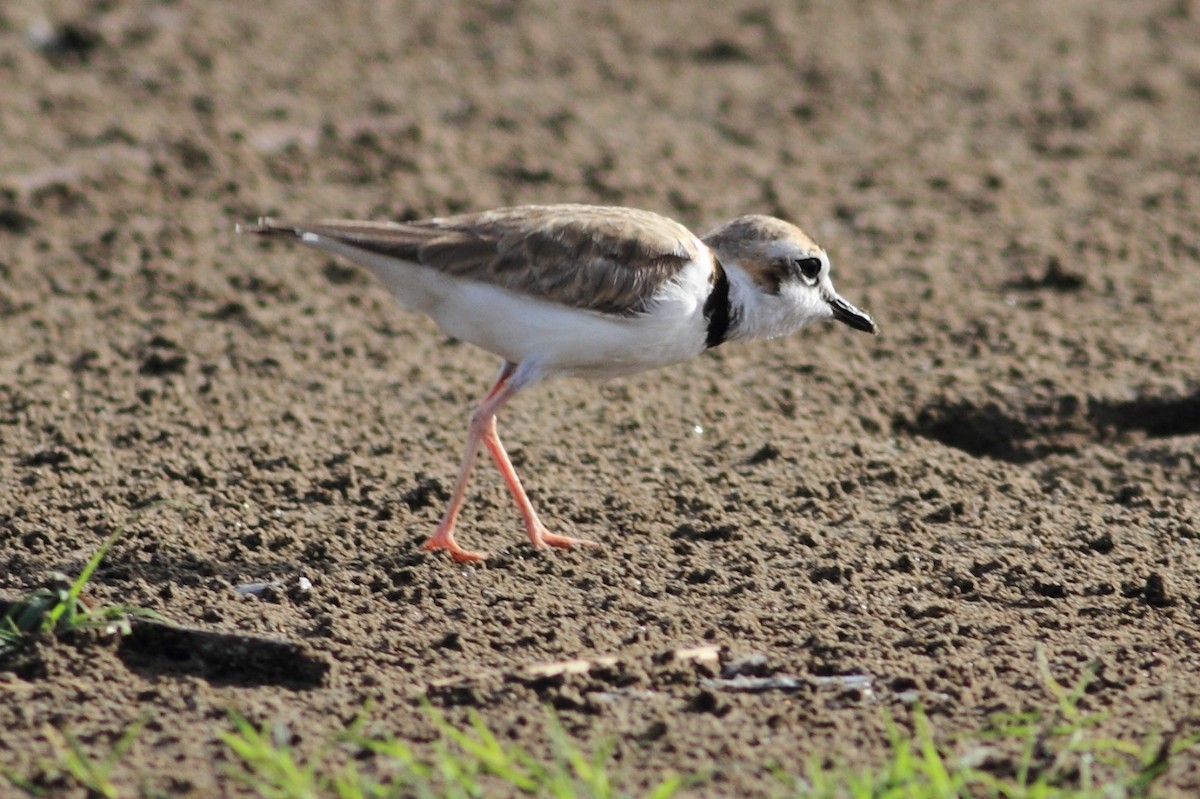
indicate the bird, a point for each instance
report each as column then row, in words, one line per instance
column 574, row 290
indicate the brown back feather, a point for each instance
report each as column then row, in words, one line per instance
column 610, row 260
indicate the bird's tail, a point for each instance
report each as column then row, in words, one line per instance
column 271, row 227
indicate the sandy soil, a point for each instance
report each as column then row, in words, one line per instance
column 1013, row 189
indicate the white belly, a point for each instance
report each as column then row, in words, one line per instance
column 568, row 341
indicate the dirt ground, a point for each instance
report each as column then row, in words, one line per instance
column 1012, row 189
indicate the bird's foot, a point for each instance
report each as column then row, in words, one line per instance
column 541, row 537
column 440, row 540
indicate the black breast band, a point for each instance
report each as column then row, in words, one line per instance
column 716, row 308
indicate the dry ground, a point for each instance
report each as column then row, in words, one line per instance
column 1012, row 188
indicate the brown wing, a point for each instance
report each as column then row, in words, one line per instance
column 605, row 259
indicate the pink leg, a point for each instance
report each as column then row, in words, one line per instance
column 538, row 533
column 443, row 536
column 483, row 429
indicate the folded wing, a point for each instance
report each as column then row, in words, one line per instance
column 608, row 260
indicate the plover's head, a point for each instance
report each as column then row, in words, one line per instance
column 784, row 276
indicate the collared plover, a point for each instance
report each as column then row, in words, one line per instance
column 581, row 290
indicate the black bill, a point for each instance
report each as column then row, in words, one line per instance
column 847, row 313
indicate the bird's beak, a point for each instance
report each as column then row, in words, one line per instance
column 847, row 313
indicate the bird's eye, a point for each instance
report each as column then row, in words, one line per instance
column 809, row 268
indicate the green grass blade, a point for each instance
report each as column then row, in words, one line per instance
column 87, row 772
column 23, row 784
column 667, row 788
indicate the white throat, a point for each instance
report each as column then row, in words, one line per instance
column 760, row 315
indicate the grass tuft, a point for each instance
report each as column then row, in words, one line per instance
column 59, row 609
column 1051, row 754
column 92, row 774
column 73, row 765
column 461, row 764
column 1041, row 754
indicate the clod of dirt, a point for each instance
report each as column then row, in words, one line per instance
column 767, row 452
column 1055, row 278
column 1154, row 592
column 67, row 44
column 158, row 365
column 15, row 221
column 707, row 702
